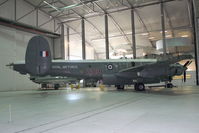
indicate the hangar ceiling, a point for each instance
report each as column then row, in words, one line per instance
column 148, row 28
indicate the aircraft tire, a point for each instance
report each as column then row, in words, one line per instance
column 169, row 85
column 139, row 87
column 135, row 86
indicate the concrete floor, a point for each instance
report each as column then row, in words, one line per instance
column 93, row 111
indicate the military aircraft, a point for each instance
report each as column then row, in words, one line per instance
column 38, row 62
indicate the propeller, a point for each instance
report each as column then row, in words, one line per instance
column 185, row 76
column 185, row 67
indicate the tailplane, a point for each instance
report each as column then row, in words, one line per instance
column 38, row 56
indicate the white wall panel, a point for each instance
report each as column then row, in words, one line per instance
column 75, row 51
column 49, row 26
column 7, row 10
column 57, row 48
column 43, row 18
column 89, row 52
column 24, row 8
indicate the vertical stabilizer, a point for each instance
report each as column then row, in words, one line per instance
column 38, row 56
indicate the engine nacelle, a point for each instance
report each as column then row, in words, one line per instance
column 179, row 71
column 176, row 70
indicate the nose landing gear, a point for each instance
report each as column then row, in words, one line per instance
column 169, row 85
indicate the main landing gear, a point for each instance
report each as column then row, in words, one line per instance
column 139, row 87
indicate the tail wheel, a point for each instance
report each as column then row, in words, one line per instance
column 139, row 87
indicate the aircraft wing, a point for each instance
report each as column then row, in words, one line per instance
column 151, row 69
column 134, row 69
column 174, row 59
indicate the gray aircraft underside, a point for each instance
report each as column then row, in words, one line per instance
column 53, row 80
column 38, row 62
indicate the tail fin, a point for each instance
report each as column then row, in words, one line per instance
column 38, row 56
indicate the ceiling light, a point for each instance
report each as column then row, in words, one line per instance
column 145, row 34
column 51, row 6
column 165, row 31
column 185, row 36
column 122, row 50
column 168, row 36
column 151, row 38
column 71, row 6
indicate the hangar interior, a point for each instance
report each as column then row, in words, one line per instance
column 76, row 30
column 98, row 29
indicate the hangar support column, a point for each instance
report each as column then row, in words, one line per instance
column 133, row 33
column 68, row 43
column 163, row 28
column 62, row 41
column 195, row 10
column 83, row 40
column 106, row 35
column 15, row 10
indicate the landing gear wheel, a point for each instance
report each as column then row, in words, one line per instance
column 56, row 86
column 139, row 87
column 135, row 86
column 120, row 87
column 169, row 85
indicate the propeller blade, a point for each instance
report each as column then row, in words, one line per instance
column 189, row 63
column 185, row 76
column 186, row 64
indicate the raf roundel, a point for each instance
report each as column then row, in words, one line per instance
column 110, row 67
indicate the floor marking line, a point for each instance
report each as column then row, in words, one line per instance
column 76, row 115
column 91, row 115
